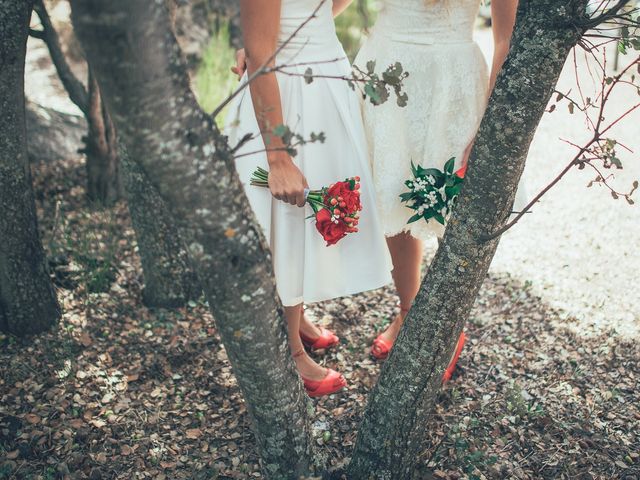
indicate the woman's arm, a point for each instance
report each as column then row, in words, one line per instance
column 261, row 26
column 240, row 67
column 340, row 6
column 503, row 18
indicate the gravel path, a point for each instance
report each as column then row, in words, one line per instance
column 579, row 248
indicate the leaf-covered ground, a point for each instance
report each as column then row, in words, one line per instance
column 119, row 391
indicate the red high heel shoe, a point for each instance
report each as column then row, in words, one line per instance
column 454, row 359
column 381, row 347
column 333, row 382
column 326, row 339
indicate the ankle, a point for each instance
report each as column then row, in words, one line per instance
column 308, row 328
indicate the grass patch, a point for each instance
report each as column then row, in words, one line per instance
column 214, row 80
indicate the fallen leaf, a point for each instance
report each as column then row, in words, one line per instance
column 85, row 339
column 32, row 418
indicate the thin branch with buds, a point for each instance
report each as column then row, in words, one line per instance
column 598, row 148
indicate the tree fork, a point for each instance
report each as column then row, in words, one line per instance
column 169, row 279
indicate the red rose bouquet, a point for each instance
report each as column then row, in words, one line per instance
column 336, row 208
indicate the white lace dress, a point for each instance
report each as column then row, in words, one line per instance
column 306, row 270
column 447, row 88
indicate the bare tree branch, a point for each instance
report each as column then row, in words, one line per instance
column 607, row 15
column 74, row 87
column 39, row 34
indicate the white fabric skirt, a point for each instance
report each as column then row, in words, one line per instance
column 306, row 270
column 447, row 89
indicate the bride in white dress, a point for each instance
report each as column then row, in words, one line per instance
column 306, row 270
column 448, row 87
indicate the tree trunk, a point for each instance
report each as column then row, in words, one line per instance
column 104, row 184
column 169, row 280
column 136, row 57
column 391, row 439
column 103, row 170
column 28, row 302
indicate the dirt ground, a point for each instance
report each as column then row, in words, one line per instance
column 122, row 392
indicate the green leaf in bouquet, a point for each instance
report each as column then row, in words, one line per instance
column 405, row 197
column 439, row 218
column 434, row 172
column 415, row 218
column 414, row 169
column 448, row 167
column 452, row 191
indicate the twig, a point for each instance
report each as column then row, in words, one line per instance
column 579, row 159
column 39, row 34
column 610, row 14
column 521, row 214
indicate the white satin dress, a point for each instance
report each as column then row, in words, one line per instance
column 306, row 270
column 448, row 86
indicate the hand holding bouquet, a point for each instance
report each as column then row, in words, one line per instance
column 336, row 208
column 432, row 192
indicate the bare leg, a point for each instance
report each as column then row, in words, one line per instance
column 305, row 364
column 307, row 327
column 406, row 255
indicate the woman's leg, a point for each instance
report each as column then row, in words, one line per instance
column 307, row 327
column 406, row 255
column 305, row 364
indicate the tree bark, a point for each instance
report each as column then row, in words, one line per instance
column 169, row 280
column 104, row 184
column 28, row 302
column 135, row 55
column 391, row 439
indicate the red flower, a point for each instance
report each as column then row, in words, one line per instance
column 331, row 232
column 462, row 171
column 348, row 199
